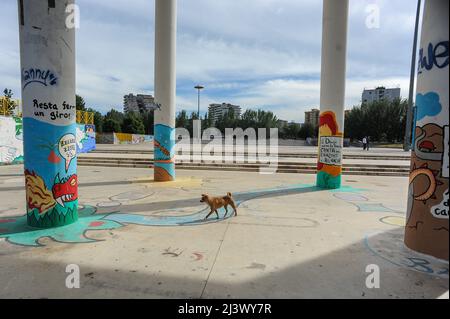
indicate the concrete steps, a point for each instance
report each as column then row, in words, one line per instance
column 282, row 167
column 293, row 155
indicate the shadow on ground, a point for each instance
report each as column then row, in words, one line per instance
column 338, row 274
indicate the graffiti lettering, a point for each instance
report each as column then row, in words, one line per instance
column 57, row 115
column 441, row 210
column 44, row 106
column 44, row 77
column 331, row 150
column 437, row 56
column 55, row 112
column 420, row 264
column 68, row 148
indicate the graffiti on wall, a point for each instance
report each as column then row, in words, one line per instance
column 126, row 138
column 11, row 145
column 11, row 140
column 329, row 168
column 36, row 75
column 164, row 150
column 85, row 138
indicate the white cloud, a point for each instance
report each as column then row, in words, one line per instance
column 250, row 52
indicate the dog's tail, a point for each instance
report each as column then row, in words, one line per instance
column 229, row 194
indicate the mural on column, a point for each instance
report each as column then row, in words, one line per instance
column 11, row 140
column 49, row 114
column 428, row 198
column 50, row 173
column 329, row 168
column 164, row 153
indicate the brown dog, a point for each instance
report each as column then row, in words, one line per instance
column 215, row 203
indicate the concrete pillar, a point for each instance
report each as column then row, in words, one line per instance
column 428, row 199
column 165, row 89
column 332, row 93
column 47, row 56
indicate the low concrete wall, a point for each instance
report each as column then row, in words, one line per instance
column 123, row 138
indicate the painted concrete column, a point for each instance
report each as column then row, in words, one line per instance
column 428, row 198
column 47, row 56
column 332, row 93
column 165, row 89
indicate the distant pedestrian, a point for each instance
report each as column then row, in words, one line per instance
column 364, row 141
column 367, row 142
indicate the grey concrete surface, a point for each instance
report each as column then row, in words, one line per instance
column 304, row 243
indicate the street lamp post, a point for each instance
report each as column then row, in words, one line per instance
column 409, row 112
column 199, row 88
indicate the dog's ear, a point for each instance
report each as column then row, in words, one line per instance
column 204, row 195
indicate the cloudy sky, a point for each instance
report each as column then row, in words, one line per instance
column 255, row 53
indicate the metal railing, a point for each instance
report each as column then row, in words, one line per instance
column 9, row 107
column 84, row 117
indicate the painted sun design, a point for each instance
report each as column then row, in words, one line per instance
column 16, row 230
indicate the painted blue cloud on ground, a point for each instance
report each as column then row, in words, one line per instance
column 428, row 105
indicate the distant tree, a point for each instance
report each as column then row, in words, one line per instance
column 292, row 130
column 111, row 126
column 115, row 115
column 148, row 118
column 133, row 124
column 207, row 122
column 79, row 103
column 228, row 120
column 182, row 119
column 248, row 119
column 383, row 121
column 308, row 130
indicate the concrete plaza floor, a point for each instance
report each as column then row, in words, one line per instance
column 140, row 239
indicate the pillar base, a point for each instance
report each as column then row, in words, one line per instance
column 327, row 181
column 52, row 219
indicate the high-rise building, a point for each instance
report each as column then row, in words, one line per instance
column 138, row 103
column 217, row 110
column 312, row 117
column 380, row 93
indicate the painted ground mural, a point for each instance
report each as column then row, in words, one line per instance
column 16, row 230
column 329, row 168
column 11, row 141
column 164, row 146
column 386, row 245
column 428, row 203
